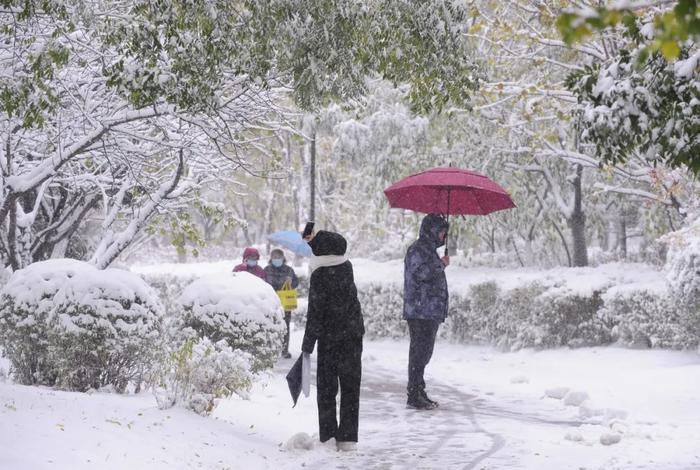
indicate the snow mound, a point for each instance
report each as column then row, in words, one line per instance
column 587, row 412
column 242, row 295
column 575, row 398
column 573, row 437
column 123, row 299
column 557, row 392
column 300, row 441
column 36, row 285
column 610, row 438
column 519, row 379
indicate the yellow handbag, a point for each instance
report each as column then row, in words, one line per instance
column 288, row 297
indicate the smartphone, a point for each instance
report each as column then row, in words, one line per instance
column 308, row 229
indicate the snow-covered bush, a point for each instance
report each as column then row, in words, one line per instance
column 26, row 302
column 514, row 324
column 201, row 372
column 104, row 330
column 547, row 309
column 240, row 308
column 64, row 322
column 459, row 323
column 169, row 287
column 646, row 316
column 683, row 274
column 480, row 320
column 564, row 317
column 382, row 309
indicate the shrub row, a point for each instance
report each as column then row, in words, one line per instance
column 533, row 315
column 64, row 323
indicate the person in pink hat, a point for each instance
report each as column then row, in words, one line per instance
column 251, row 257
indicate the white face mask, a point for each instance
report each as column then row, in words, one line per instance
column 277, row 262
column 252, row 263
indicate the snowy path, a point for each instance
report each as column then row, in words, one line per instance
column 494, row 415
column 394, row 437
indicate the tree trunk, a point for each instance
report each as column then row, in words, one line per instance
column 622, row 236
column 577, row 223
column 563, row 242
column 312, row 178
column 12, row 235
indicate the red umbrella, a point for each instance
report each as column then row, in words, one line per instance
column 449, row 191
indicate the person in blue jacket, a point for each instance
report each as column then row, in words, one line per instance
column 425, row 303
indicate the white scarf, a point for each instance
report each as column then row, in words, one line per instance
column 325, row 261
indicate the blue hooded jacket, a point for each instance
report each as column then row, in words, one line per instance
column 425, row 284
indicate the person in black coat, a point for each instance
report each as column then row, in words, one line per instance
column 425, row 303
column 278, row 273
column 334, row 321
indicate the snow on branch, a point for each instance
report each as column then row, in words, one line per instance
column 634, row 192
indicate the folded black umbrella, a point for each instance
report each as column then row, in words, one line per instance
column 294, row 379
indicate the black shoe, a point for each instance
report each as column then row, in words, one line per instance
column 286, row 355
column 419, row 403
column 432, row 402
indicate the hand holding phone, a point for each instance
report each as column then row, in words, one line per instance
column 308, row 230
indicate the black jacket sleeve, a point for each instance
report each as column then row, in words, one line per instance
column 314, row 323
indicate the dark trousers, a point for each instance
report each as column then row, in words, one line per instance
column 422, row 333
column 287, row 319
column 339, row 364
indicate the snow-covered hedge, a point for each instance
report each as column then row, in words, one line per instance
column 566, row 317
column 26, row 302
column 201, row 372
column 104, row 330
column 646, row 316
column 171, row 280
column 169, row 287
column 239, row 308
column 523, row 316
column 385, row 304
column 683, row 268
column 66, row 323
column 526, row 308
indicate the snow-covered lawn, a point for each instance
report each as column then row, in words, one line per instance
column 495, row 414
column 460, row 278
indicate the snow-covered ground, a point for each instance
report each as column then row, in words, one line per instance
column 460, row 278
column 495, row 414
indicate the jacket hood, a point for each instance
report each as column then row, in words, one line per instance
column 280, row 254
column 431, row 226
column 251, row 253
column 328, row 243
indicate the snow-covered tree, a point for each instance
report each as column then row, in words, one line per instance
column 122, row 109
column 525, row 94
column 635, row 103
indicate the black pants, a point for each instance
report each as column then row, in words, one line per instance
column 339, row 364
column 287, row 319
column 422, row 334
